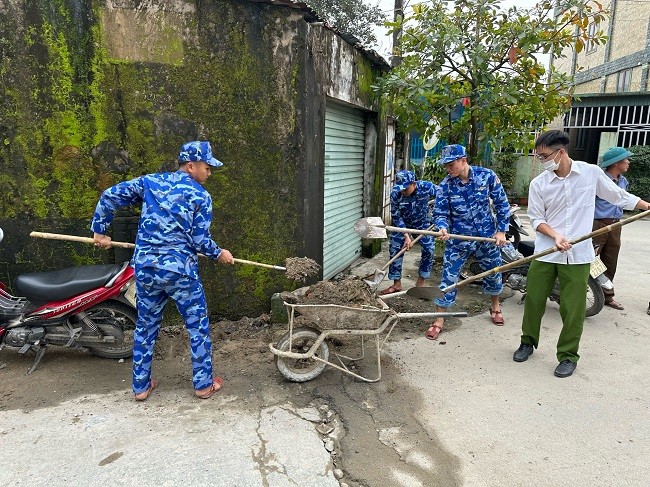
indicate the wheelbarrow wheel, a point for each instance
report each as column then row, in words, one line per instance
column 301, row 370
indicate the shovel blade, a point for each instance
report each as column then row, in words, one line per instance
column 371, row 227
column 376, row 280
column 424, row 292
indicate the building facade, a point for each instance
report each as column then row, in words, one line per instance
column 611, row 105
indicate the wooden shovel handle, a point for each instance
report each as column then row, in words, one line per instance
column 127, row 245
column 75, row 238
column 399, row 254
column 438, row 234
column 525, row 260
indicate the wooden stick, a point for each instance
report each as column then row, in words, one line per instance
column 525, row 260
column 402, row 251
column 438, row 234
column 127, row 245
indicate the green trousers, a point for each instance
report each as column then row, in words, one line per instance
column 573, row 301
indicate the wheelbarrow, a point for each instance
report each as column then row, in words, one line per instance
column 303, row 352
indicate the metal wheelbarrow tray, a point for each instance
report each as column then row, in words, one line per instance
column 303, row 353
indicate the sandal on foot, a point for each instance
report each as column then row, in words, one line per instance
column 217, row 385
column 142, row 396
column 497, row 317
column 389, row 290
column 614, row 304
column 433, row 332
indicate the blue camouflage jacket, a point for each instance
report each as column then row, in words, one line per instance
column 174, row 224
column 465, row 209
column 412, row 211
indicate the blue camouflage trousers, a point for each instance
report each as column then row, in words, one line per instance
column 154, row 287
column 456, row 254
column 396, row 243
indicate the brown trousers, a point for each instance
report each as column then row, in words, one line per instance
column 609, row 245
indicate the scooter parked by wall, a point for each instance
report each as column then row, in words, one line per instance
column 90, row 307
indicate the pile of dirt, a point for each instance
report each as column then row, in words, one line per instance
column 348, row 291
column 301, row 268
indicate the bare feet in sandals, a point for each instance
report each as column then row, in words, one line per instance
column 390, row 290
column 142, row 396
column 217, row 385
column 435, row 329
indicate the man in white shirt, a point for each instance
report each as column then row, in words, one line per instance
column 561, row 204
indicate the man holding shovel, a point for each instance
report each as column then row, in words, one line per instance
column 174, row 228
column 561, row 204
column 409, row 207
column 464, row 206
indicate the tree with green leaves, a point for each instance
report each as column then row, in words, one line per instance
column 471, row 71
column 351, row 17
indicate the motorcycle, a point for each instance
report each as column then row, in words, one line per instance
column 90, row 307
column 515, row 227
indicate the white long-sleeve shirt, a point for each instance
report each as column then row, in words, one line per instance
column 567, row 206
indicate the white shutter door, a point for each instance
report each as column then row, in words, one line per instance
column 344, row 155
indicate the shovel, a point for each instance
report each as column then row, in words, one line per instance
column 380, row 274
column 125, row 245
column 519, row 262
column 373, row 227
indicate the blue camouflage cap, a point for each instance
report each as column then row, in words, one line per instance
column 452, row 152
column 403, row 180
column 198, row 150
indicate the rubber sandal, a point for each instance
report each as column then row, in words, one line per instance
column 217, row 381
column 433, row 332
column 497, row 317
column 142, row 396
column 614, row 304
column 389, row 290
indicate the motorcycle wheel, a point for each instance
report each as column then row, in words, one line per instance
column 595, row 297
column 116, row 319
column 301, row 370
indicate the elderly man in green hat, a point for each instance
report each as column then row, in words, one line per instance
column 615, row 163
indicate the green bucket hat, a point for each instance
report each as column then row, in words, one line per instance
column 614, row 155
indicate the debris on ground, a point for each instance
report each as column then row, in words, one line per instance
column 301, row 268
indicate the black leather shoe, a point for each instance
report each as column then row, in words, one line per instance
column 523, row 352
column 565, row 368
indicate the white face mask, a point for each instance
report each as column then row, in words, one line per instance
column 550, row 165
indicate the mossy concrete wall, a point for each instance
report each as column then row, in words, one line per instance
column 95, row 92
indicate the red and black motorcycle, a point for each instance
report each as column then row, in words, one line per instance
column 86, row 306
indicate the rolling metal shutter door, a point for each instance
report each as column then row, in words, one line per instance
column 344, row 155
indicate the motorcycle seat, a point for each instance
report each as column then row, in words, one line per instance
column 64, row 283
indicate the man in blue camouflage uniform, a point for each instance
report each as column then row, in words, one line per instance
column 463, row 208
column 174, row 228
column 409, row 208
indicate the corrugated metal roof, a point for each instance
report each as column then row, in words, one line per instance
column 610, row 99
column 311, row 16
